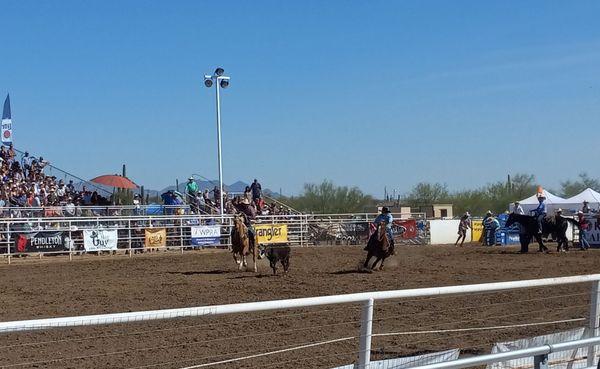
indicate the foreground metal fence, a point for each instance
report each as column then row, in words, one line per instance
column 135, row 234
column 368, row 300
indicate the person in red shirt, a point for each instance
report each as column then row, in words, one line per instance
column 583, row 228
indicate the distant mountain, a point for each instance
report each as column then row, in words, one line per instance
column 236, row 187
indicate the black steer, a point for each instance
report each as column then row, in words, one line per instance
column 279, row 253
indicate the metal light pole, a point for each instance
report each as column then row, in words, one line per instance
column 219, row 81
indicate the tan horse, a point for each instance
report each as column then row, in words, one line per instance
column 379, row 246
column 241, row 245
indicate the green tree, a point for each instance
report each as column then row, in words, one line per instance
column 571, row 188
column 327, row 198
column 427, row 193
column 493, row 196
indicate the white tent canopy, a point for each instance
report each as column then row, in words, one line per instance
column 570, row 205
column 553, row 202
column 576, row 202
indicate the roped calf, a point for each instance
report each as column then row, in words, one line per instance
column 279, row 253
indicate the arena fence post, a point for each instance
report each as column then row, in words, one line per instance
column 540, row 361
column 8, row 241
column 366, row 329
column 593, row 328
column 129, row 237
column 181, row 235
column 71, row 242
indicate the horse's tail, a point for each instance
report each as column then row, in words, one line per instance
column 574, row 222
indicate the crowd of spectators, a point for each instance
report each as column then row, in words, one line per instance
column 24, row 184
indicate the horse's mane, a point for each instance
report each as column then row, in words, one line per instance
column 382, row 235
column 240, row 228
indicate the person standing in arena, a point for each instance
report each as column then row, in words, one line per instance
column 583, row 227
column 518, row 209
column 463, row 226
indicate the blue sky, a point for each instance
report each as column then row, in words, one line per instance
column 372, row 94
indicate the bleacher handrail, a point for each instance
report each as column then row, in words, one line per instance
column 88, row 183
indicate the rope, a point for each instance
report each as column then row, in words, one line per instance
column 381, row 335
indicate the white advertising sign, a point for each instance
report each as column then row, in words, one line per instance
column 100, row 239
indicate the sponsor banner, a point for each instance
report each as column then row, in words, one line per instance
column 406, row 229
column 6, row 131
column 100, row 239
column 411, row 361
column 593, row 232
column 476, row 230
column 41, row 242
column 271, row 233
column 155, row 237
column 564, row 359
column 206, row 235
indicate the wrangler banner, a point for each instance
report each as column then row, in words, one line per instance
column 100, row 239
column 41, row 242
column 476, row 230
column 155, row 237
column 271, row 233
column 206, row 235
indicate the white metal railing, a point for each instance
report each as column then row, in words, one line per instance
column 540, row 354
column 367, row 299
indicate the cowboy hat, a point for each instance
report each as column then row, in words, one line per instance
column 385, row 209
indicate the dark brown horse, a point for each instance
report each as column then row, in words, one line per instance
column 555, row 226
column 380, row 246
column 241, row 244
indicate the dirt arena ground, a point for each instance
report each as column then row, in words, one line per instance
column 54, row 287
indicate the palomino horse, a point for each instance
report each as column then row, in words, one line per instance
column 241, row 245
column 379, row 246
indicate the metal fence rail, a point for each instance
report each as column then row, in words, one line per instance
column 368, row 300
column 19, row 212
column 302, row 230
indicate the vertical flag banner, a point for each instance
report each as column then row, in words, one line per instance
column 6, row 123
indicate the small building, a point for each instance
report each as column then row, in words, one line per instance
column 430, row 211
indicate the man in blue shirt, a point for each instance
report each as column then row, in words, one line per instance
column 388, row 219
column 540, row 212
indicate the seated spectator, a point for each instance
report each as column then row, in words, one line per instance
column 71, row 187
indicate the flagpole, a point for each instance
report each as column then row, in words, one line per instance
column 219, row 147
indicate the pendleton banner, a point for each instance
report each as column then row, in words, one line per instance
column 271, row 233
column 155, row 237
column 44, row 241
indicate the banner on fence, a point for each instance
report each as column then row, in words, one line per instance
column 41, row 242
column 100, row 239
column 155, row 237
column 411, row 361
column 271, row 233
column 593, row 232
column 571, row 359
column 404, row 228
column 476, row 230
column 206, row 235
